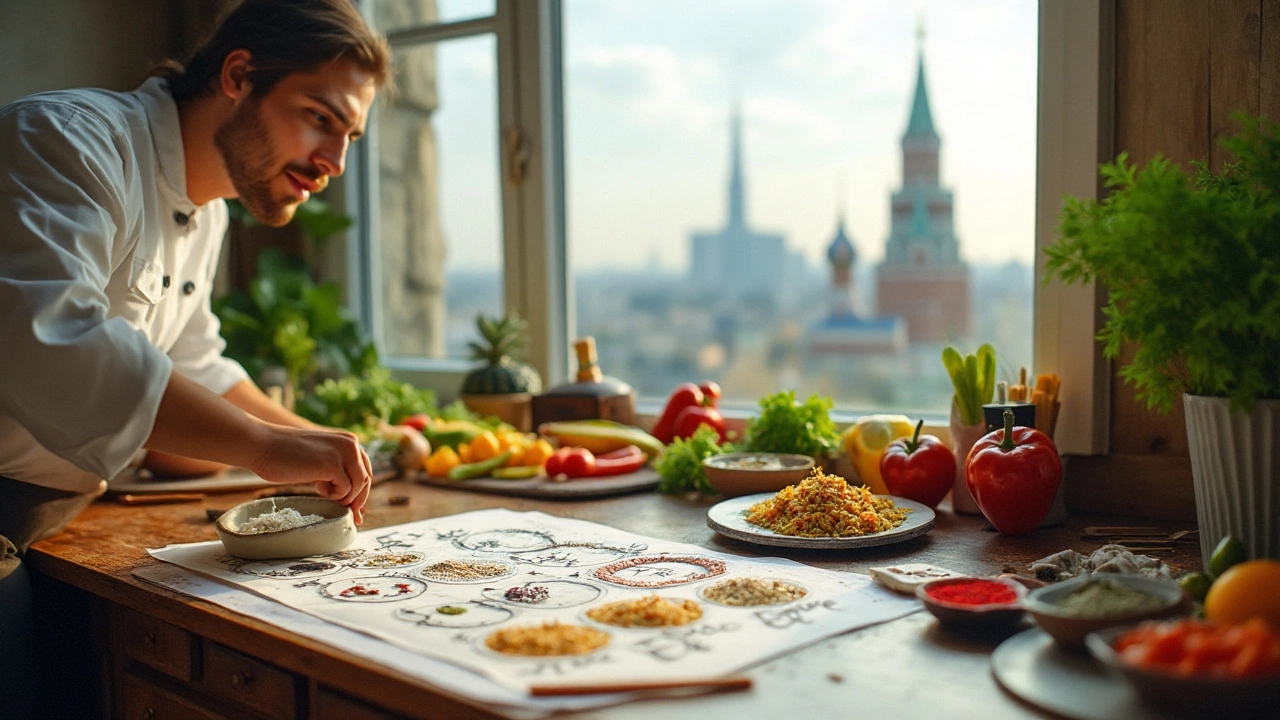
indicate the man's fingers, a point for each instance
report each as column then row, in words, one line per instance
column 358, row 505
column 357, row 474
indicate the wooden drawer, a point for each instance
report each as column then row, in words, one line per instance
column 158, row 645
column 140, row 700
column 333, row 705
column 248, row 683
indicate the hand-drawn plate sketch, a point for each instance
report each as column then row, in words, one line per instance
column 545, row 594
column 467, row 614
column 374, row 589
column 438, row 587
column 729, row 518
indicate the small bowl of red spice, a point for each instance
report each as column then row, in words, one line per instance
column 973, row 603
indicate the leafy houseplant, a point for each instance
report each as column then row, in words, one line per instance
column 504, row 385
column 1191, row 263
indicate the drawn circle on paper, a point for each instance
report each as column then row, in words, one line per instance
column 689, row 626
column 508, row 540
column 575, row 554
column 374, row 589
column 295, row 569
column 560, row 594
column 593, row 633
column 722, row 592
column 478, row 614
column 655, row 571
column 388, row 560
column 461, row 571
column 343, row 555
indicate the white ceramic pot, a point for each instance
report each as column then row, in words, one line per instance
column 963, row 438
column 1235, row 468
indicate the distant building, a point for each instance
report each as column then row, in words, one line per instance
column 737, row 260
column 922, row 278
column 844, row 331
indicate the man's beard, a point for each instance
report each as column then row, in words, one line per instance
column 250, row 156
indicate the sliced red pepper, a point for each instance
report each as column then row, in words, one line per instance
column 573, row 462
column 684, row 396
column 619, row 462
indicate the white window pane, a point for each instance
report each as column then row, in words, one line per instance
column 392, row 15
column 725, row 160
column 439, row 186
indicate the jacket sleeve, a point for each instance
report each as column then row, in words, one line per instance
column 197, row 353
column 86, row 387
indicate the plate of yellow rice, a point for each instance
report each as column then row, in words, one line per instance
column 821, row 511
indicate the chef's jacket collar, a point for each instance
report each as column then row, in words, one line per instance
column 166, row 134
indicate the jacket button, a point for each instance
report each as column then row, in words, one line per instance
column 166, row 281
column 188, row 287
column 180, row 217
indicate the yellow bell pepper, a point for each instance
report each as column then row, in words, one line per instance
column 441, row 462
column 484, row 446
column 537, row 453
column 865, row 442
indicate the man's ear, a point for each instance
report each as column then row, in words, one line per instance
column 233, row 81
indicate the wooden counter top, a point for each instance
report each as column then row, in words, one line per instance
column 909, row 663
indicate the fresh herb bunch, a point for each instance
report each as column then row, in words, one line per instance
column 286, row 319
column 787, row 426
column 1191, row 263
column 360, row 403
column 680, row 465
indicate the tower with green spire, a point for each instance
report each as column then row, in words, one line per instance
column 923, row 278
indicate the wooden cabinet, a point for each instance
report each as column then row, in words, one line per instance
column 157, row 645
column 250, row 684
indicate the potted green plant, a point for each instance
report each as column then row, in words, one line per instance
column 504, row 386
column 1191, row 264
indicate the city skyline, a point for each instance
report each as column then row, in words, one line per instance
column 825, row 91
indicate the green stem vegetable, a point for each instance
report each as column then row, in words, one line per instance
column 974, row 379
column 479, row 469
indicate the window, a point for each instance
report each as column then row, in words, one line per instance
column 789, row 122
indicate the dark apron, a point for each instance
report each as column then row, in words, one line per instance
column 30, row 513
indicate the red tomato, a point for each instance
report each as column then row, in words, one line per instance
column 1014, row 475
column 920, row 468
column 418, row 422
column 574, row 462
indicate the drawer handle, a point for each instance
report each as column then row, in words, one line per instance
column 149, row 641
column 148, row 714
column 241, row 680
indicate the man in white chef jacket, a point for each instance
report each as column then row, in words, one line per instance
column 111, row 221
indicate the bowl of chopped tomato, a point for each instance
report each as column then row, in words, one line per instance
column 1195, row 668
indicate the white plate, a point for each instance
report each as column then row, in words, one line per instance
column 729, row 518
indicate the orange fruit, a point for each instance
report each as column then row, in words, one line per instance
column 1248, row 590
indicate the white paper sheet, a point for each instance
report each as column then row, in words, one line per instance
column 569, row 558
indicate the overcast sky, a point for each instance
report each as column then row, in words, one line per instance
column 825, row 88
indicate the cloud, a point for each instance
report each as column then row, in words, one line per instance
column 650, row 82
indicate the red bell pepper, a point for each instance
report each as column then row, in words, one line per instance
column 710, row 393
column 919, row 468
column 685, row 395
column 689, row 419
column 619, row 462
column 573, row 462
column 1014, row 475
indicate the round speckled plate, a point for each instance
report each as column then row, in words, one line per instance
column 729, row 518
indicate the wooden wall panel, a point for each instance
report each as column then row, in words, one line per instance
column 1183, row 67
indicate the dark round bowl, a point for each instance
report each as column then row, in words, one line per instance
column 1188, row 696
column 732, row 474
column 1069, row 631
column 973, row 617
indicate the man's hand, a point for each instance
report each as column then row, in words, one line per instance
column 331, row 459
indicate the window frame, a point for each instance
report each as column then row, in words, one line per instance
column 1074, row 134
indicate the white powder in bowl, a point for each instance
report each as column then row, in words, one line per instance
column 277, row 520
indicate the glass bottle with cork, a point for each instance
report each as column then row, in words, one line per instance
column 593, row 395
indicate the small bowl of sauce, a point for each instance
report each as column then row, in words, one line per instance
column 974, row 603
column 747, row 473
column 1073, row 608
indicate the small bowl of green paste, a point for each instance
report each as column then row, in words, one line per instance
column 1072, row 609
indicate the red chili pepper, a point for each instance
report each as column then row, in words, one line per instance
column 710, row 393
column 573, row 462
column 1014, row 475
column 920, row 468
column 684, row 396
column 417, row 421
column 620, row 462
column 689, row 419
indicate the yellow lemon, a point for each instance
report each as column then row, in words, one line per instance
column 865, row 442
column 1247, row 590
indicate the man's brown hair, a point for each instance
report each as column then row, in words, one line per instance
column 283, row 37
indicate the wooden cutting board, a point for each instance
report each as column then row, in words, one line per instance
column 644, row 479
